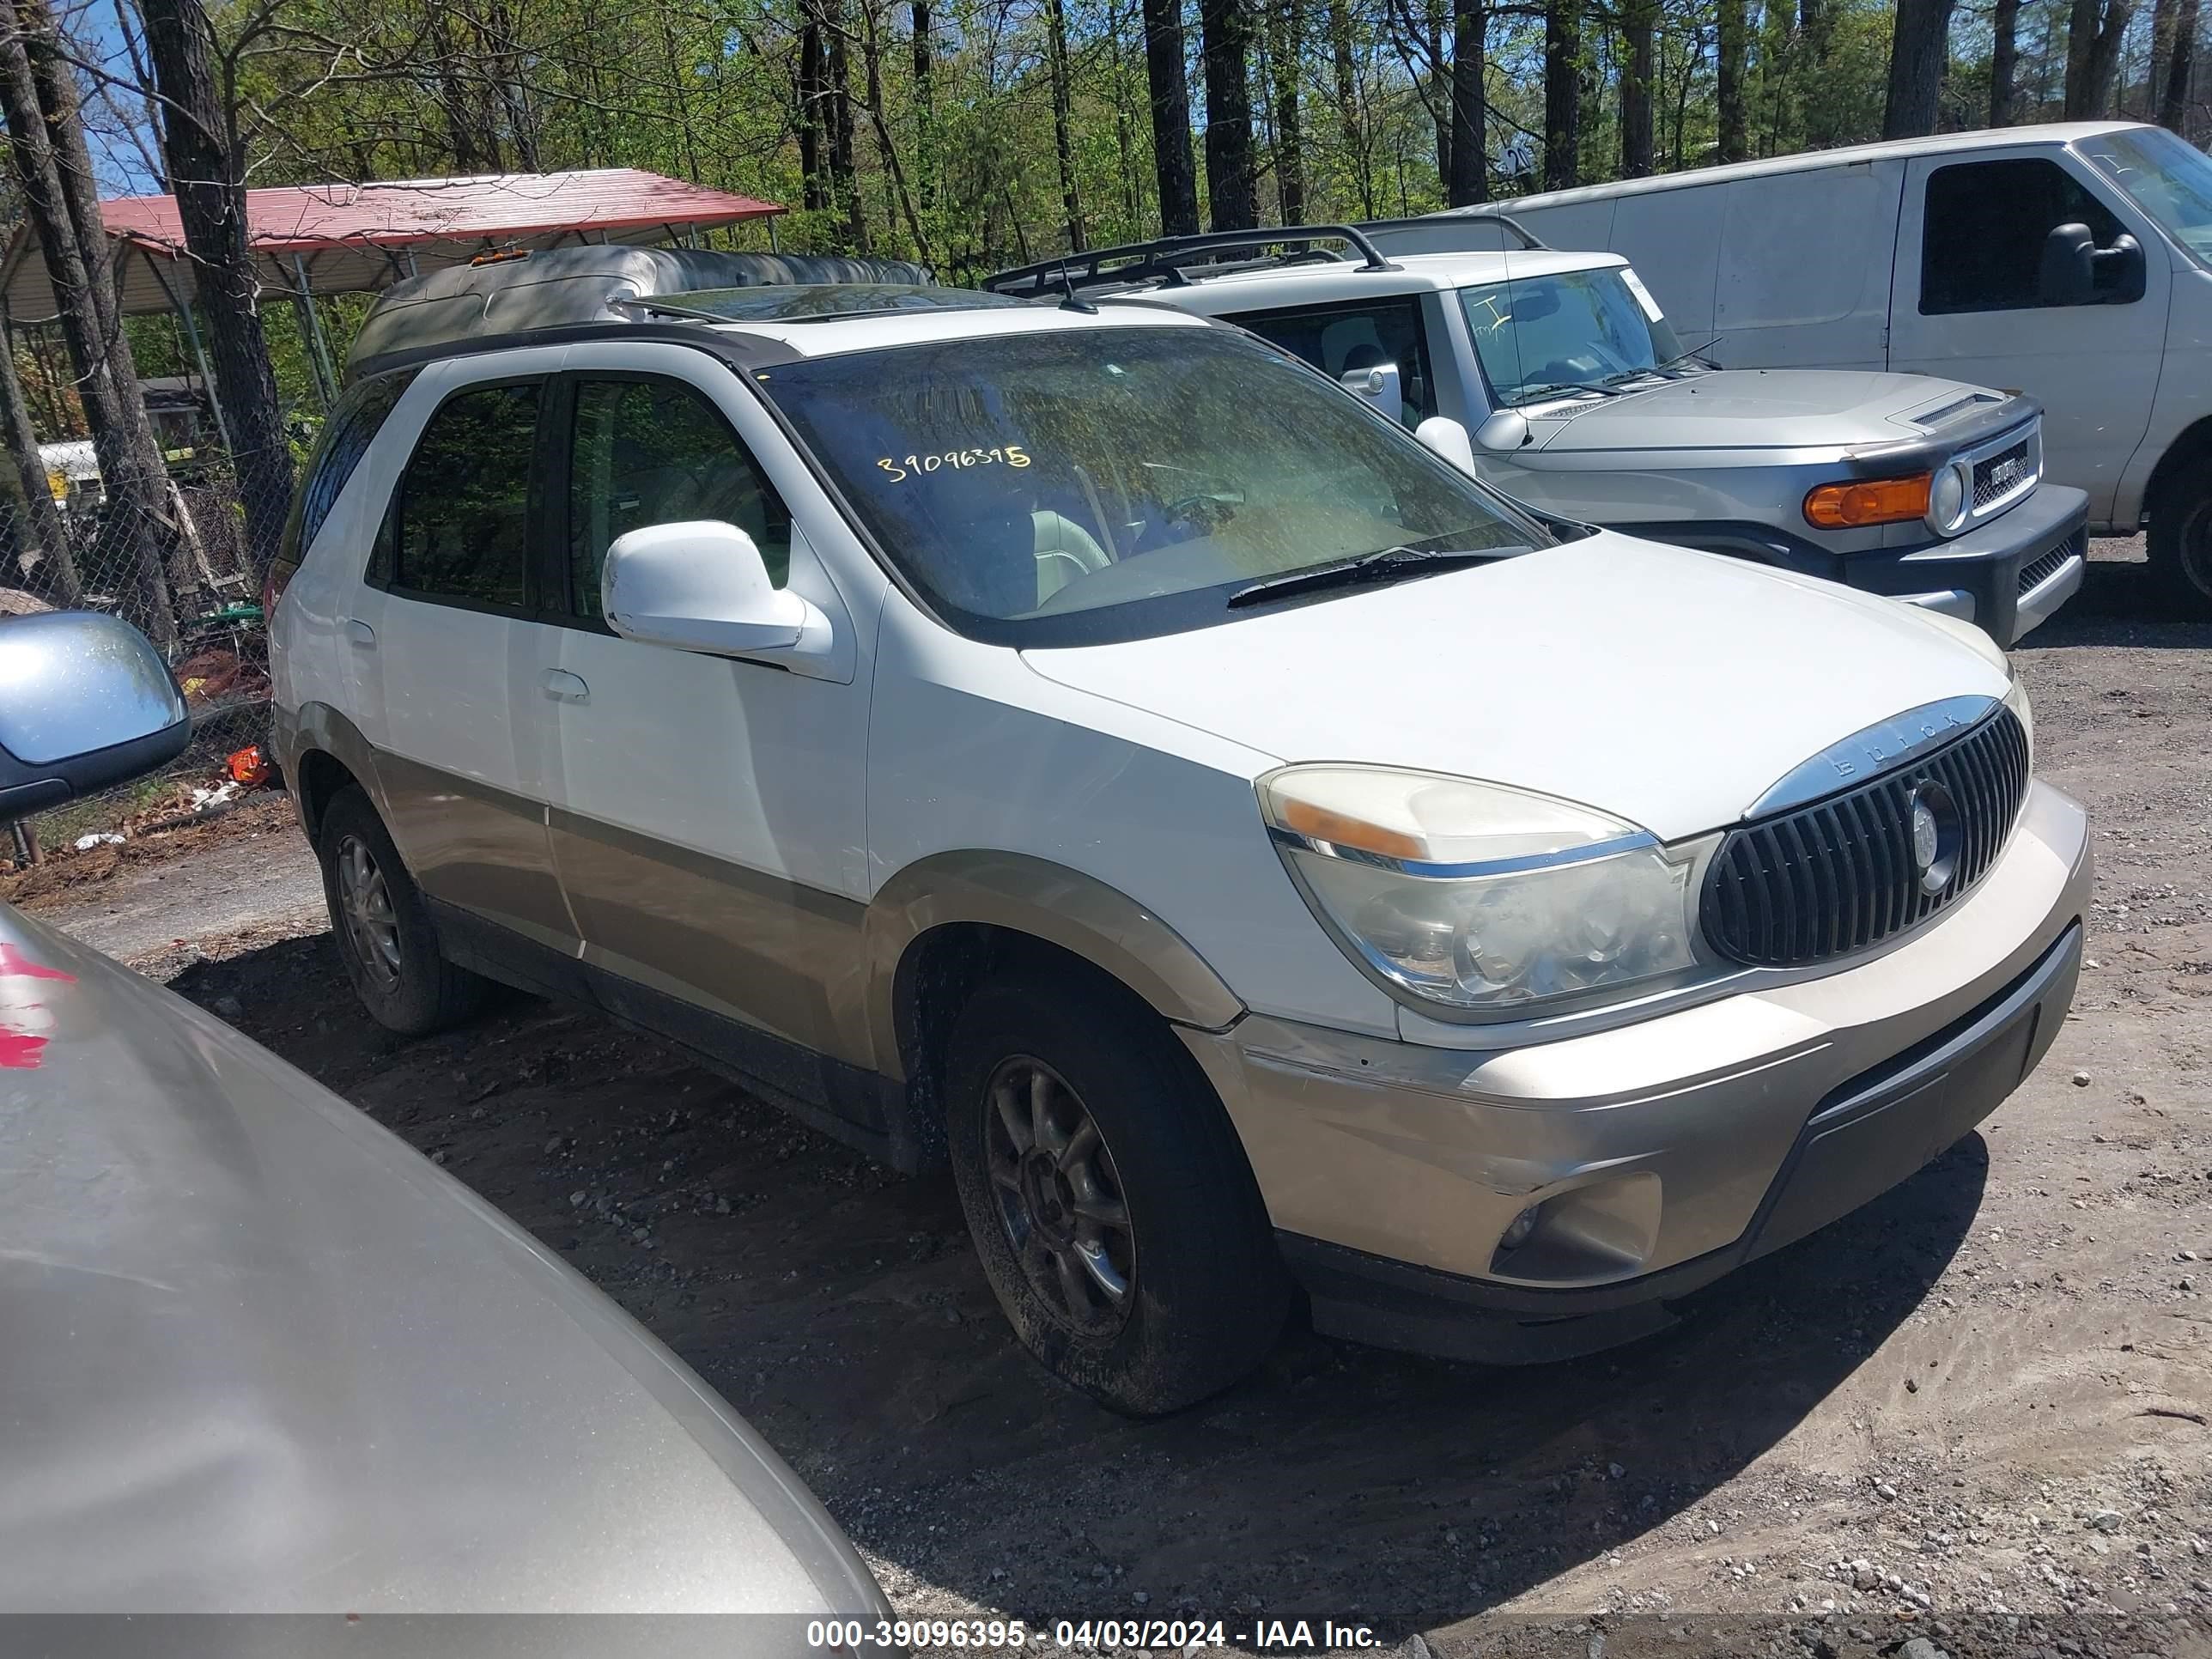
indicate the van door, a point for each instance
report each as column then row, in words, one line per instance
column 707, row 812
column 1803, row 275
column 1967, row 300
column 444, row 639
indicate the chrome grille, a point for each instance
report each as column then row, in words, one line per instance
column 1998, row 476
column 1836, row 877
column 2036, row 572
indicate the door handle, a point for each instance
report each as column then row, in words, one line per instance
column 361, row 634
column 563, row 686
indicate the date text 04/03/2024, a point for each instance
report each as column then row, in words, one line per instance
column 1090, row 1635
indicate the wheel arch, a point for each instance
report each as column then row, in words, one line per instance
column 321, row 751
column 2191, row 448
column 940, row 926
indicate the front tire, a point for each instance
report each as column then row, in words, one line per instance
column 1109, row 1197
column 385, row 934
column 2181, row 541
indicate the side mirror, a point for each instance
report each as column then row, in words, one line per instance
column 703, row 585
column 2064, row 277
column 1505, row 431
column 1444, row 436
column 1381, row 386
column 2117, row 273
column 86, row 703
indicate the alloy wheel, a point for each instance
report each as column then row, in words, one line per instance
column 1058, row 1197
column 372, row 926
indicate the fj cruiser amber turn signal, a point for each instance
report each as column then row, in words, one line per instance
column 1875, row 500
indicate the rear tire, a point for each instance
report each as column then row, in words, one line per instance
column 2181, row 541
column 1090, row 1153
column 385, row 934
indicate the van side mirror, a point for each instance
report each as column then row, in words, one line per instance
column 1380, row 384
column 86, row 703
column 1442, row 436
column 2075, row 271
column 2065, row 276
column 703, row 585
column 2117, row 273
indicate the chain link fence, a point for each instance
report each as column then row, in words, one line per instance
column 187, row 578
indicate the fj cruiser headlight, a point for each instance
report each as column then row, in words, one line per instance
column 1949, row 493
column 1479, row 896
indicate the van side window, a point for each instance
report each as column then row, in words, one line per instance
column 1984, row 228
column 1338, row 339
column 649, row 450
column 463, row 508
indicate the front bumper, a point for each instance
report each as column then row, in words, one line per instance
column 2006, row 576
column 1659, row 1155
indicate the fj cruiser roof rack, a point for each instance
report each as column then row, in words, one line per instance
column 1133, row 264
column 505, row 293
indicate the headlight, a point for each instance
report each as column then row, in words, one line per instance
column 1479, row 896
column 1946, row 500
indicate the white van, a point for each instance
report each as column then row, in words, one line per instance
column 2072, row 262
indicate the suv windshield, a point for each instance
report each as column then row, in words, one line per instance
column 1539, row 336
column 1091, row 484
column 2167, row 178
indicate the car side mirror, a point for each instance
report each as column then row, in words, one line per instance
column 86, row 703
column 1380, row 384
column 1446, row 437
column 2065, row 276
column 703, row 585
column 1505, row 431
column 2118, row 274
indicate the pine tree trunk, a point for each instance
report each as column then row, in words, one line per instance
column 206, row 171
column 1286, row 19
column 1919, row 52
column 1468, row 180
column 2094, row 35
column 42, row 540
column 844, row 179
column 1735, row 33
column 1226, row 46
column 1169, row 83
column 1063, row 142
column 1563, row 52
column 1439, row 96
column 1639, row 23
column 2181, row 61
column 2004, row 61
column 925, row 108
column 37, row 95
column 813, row 75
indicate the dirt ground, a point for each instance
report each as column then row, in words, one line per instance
column 1973, row 1416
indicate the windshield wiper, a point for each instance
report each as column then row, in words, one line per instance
column 1674, row 361
column 1386, row 564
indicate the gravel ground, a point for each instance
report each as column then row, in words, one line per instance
column 1970, row 1419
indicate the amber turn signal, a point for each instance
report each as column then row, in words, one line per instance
column 1873, row 501
column 1342, row 830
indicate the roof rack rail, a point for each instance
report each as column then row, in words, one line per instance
column 1430, row 221
column 1164, row 258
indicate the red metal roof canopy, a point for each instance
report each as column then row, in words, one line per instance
column 349, row 238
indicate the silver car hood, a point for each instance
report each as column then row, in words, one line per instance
column 257, row 1355
column 1737, row 409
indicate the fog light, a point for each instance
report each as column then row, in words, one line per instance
column 1516, row 1234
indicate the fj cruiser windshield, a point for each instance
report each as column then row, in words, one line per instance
column 1541, row 337
column 1090, row 485
column 2167, row 178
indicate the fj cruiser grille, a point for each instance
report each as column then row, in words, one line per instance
column 1838, row 876
column 2036, row 572
column 1998, row 476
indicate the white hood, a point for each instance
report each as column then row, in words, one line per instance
column 1668, row 687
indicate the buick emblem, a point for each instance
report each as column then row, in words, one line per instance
column 1936, row 827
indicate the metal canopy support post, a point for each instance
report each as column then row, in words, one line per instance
column 310, row 327
column 184, row 310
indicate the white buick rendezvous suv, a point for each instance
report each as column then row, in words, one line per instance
column 1087, row 747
